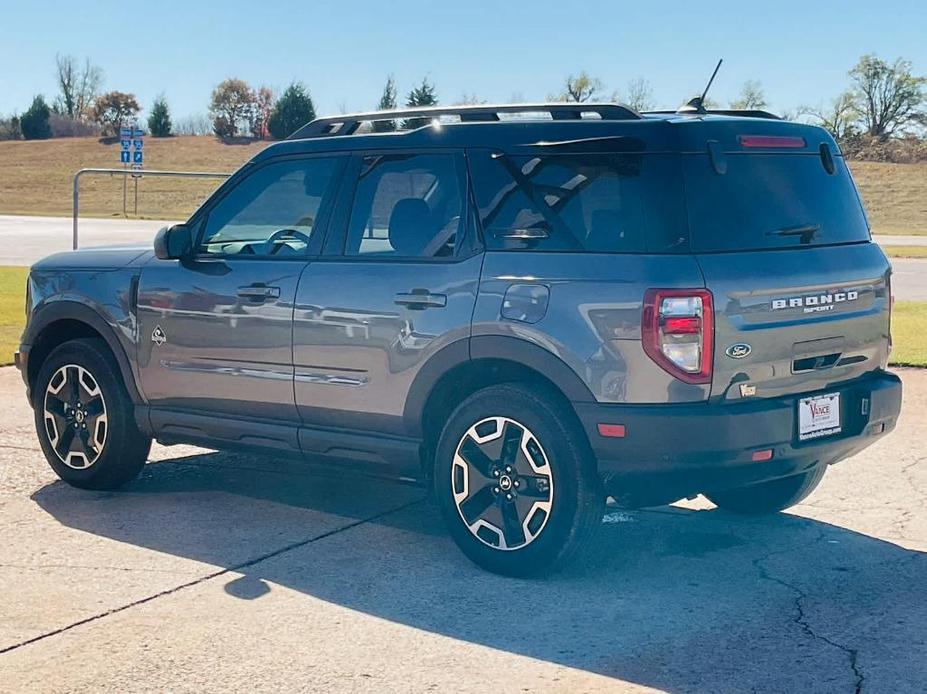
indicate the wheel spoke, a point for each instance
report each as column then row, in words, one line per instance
column 476, row 504
column 534, row 486
column 94, row 407
column 55, row 406
column 65, row 438
column 511, row 443
column 471, row 452
column 514, row 533
column 73, row 376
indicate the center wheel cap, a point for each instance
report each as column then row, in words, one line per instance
column 505, row 483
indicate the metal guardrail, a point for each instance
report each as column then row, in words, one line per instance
column 136, row 173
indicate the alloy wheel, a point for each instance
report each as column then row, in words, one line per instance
column 75, row 416
column 502, row 483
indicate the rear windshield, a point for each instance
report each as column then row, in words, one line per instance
column 770, row 201
column 593, row 202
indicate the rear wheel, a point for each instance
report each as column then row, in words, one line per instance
column 515, row 482
column 85, row 419
column 769, row 497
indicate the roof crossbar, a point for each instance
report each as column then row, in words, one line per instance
column 349, row 124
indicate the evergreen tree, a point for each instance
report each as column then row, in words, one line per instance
column 292, row 111
column 422, row 95
column 159, row 121
column 387, row 103
column 34, row 122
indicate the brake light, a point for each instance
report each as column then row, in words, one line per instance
column 677, row 328
column 772, row 141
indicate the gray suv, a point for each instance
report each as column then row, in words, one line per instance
column 530, row 308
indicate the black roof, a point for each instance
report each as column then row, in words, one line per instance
column 542, row 126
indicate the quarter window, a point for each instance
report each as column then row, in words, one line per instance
column 273, row 211
column 407, row 205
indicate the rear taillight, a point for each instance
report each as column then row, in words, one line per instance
column 678, row 330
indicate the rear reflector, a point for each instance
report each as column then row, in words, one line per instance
column 760, row 456
column 613, row 431
column 772, row 141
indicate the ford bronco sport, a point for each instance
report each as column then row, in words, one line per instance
column 531, row 308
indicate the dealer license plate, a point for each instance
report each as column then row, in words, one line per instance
column 818, row 416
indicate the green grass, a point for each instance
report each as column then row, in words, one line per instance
column 905, row 251
column 909, row 333
column 12, row 312
column 909, row 322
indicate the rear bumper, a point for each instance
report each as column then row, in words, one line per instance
column 671, row 451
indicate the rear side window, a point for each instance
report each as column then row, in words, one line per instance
column 771, row 201
column 600, row 203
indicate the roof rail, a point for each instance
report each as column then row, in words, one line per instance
column 743, row 112
column 349, row 123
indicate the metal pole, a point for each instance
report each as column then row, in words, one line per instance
column 135, row 178
column 125, row 187
column 125, row 172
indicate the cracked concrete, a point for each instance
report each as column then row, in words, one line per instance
column 219, row 571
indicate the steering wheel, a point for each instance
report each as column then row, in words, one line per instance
column 270, row 245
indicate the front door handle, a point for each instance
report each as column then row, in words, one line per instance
column 258, row 292
column 420, row 299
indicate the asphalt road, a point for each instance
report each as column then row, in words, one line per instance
column 218, row 572
column 24, row 240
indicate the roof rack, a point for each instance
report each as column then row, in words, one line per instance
column 743, row 112
column 348, row 124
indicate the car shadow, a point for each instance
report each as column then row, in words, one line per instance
column 669, row 598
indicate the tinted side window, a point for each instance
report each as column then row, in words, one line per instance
column 608, row 202
column 407, row 205
column 272, row 212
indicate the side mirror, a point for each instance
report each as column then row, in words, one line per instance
column 172, row 243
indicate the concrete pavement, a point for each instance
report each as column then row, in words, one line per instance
column 218, row 572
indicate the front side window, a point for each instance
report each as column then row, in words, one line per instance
column 406, row 205
column 594, row 202
column 273, row 211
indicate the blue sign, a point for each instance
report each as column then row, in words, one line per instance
column 138, row 144
column 137, row 157
column 138, row 133
column 125, row 132
column 125, row 144
column 124, row 156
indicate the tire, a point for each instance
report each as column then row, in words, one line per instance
column 538, row 503
column 85, row 419
column 769, row 497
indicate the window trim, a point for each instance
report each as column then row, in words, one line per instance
column 336, row 243
column 200, row 218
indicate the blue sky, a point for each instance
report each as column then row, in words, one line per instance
column 343, row 51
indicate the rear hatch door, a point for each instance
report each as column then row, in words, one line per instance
column 801, row 295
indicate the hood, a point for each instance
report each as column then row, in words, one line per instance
column 97, row 258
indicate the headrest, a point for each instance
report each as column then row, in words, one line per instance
column 410, row 226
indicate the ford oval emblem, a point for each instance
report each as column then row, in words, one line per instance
column 738, row 351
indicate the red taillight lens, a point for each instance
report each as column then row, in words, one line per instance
column 772, row 142
column 678, row 332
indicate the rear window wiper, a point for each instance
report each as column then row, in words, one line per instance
column 807, row 232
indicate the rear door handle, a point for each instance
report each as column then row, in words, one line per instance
column 419, row 299
column 258, row 291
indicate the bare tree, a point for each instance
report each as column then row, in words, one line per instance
column 839, row 117
column 580, row 88
column 78, row 85
column 640, row 95
column 470, row 99
column 888, row 96
column 751, row 97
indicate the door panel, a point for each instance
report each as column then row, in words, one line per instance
column 359, row 340
column 227, row 335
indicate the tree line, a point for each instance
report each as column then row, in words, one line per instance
column 883, row 104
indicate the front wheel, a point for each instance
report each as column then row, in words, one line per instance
column 769, row 497
column 516, row 482
column 84, row 417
